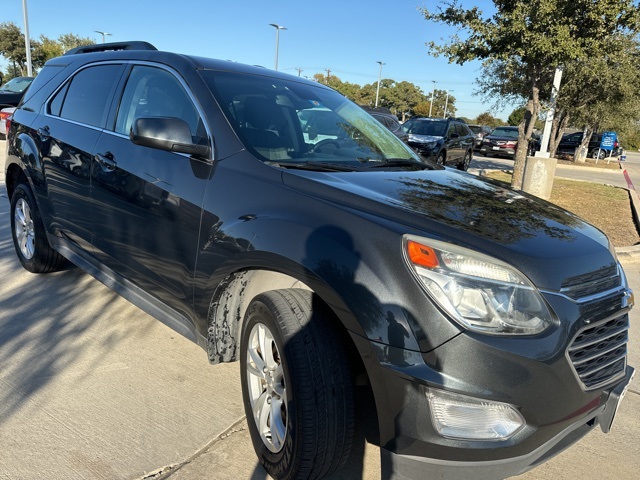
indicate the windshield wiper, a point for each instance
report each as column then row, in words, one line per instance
column 399, row 162
column 318, row 166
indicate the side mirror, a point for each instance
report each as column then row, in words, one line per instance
column 166, row 133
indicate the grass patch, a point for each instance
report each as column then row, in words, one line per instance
column 606, row 207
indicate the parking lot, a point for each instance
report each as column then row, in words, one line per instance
column 92, row 387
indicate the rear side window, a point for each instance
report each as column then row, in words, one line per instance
column 86, row 98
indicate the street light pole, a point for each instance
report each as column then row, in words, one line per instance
column 433, row 92
column 278, row 28
column 379, row 78
column 27, row 42
column 446, row 103
column 102, row 33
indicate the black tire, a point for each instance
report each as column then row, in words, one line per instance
column 441, row 158
column 311, row 373
column 464, row 165
column 29, row 237
column 598, row 153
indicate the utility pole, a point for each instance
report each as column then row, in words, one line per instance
column 379, row 78
column 433, row 92
column 27, row 42
column 328, row 70
column 299, row 71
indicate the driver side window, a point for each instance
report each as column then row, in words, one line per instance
column 153, row 92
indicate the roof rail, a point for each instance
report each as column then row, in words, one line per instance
column 107, row 47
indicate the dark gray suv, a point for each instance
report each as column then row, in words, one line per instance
column 272, row 221
column 446, row 141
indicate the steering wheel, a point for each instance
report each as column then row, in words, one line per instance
column 328, row 145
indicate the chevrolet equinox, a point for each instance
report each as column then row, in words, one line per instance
column 272, row 221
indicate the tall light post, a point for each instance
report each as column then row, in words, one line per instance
column 379, row 78
column 446, row 103
column 433, row 92
column 102, row 33
column 278, row 28
column 27, row 42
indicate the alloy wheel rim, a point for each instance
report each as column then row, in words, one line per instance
column 24, row 231
column 266, row 387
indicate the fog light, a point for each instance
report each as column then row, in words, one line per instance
column 467, row 418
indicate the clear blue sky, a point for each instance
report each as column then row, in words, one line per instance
column 346, row 36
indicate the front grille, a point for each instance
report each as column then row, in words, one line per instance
column 598, row 353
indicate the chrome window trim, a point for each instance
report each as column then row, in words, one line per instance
column 146, row 63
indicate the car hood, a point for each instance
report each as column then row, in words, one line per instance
column 423, row 138
column 547, row 243
column 501, row 138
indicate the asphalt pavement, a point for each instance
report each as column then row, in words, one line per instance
column 93, row 388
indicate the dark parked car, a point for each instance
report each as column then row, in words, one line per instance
column 571, row 141
column 490, row 326
column 391, row 122
column 11, row 92
column 446, row 141
column 503, row 142
column 480, row 131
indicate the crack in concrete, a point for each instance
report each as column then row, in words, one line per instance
column 166, row 471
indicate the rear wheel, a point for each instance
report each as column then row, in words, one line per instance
column 296, row 386
column 29, row 237
column 598, row 153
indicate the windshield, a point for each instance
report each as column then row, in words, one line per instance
column 16, row 85
column 475, row 128
column 426, row 127
column 505, row 132
column 290, row 122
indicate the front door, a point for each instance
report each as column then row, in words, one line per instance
column 146, row 202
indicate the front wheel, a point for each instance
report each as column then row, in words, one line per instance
column 464, row 165
column 440, row 159
column 29, row 237
column 296, row 386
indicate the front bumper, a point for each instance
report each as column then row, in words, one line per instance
column 489, row 150
column 401, row 467
column 558, row 412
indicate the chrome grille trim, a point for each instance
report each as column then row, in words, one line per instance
column 598, row 352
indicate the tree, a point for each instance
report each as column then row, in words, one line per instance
column 69, row 40
column 524, row 41
column 12, row 47
column 487, row 119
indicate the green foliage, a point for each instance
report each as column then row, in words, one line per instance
column 524, row 41
column 13, row 49
column 487, row 119
column 402, row 98
column 516, row 116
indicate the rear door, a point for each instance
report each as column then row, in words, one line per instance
column 67, row 133
column 147, row 202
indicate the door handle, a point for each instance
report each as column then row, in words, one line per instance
column 106, row 161
column 44, row 133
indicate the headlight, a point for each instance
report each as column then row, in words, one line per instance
column 480, row 292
